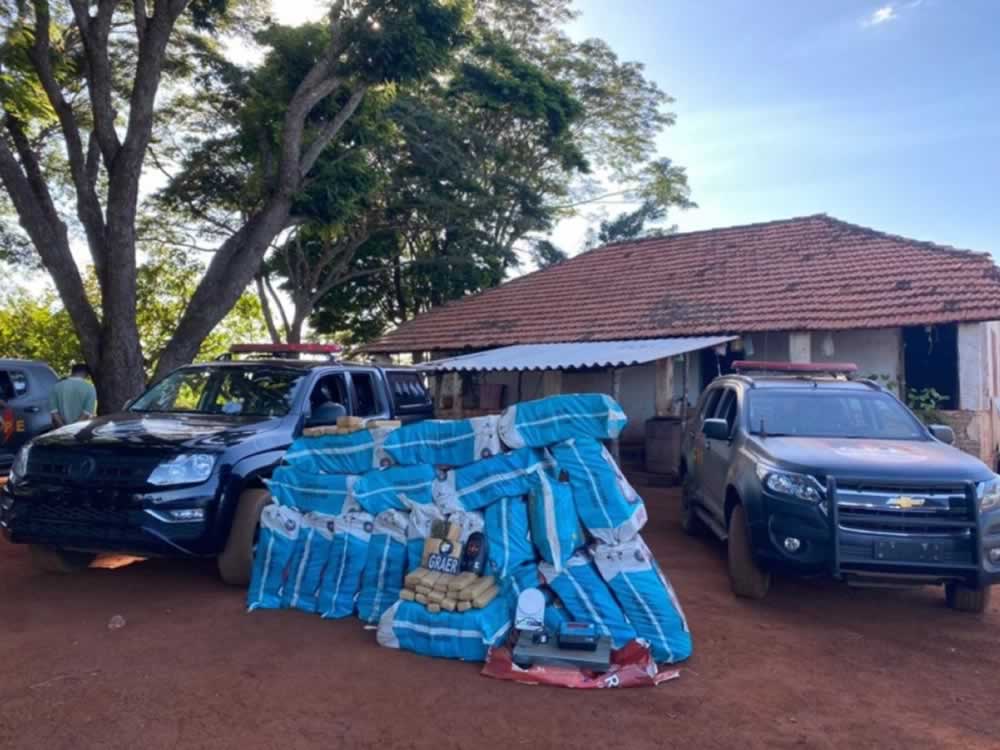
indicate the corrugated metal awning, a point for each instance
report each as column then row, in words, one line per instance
column 574, row 355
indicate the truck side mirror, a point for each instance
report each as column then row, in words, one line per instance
column 716, row 429
column 943, row 433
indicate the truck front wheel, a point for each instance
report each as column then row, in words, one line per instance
column 236, row 560
column 55, row 560
column 745, row 577
column 967, row 599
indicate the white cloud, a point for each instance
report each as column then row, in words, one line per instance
column 883, row 15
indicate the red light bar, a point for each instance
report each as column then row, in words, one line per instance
column 839, row 368
column 285, row 349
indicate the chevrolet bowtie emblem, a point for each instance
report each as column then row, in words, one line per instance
column 904, row 502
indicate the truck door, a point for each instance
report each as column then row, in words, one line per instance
column 719, row 454
column 24, row 413
column 369, row 399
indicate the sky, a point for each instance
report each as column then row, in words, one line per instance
column 885, row 114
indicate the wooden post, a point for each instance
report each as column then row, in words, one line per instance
column 616, row 394
column 552, row 382
column 454, row 388
column 520, row 386
column 665, row 387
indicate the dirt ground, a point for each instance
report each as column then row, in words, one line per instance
column 817, row 665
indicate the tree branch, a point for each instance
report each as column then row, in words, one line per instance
column 330, row 130
column 94, row 32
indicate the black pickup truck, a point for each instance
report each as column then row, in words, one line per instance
column 814, row 474
column 180, row 471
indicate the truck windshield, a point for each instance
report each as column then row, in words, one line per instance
column 231, row 391
column 842, row 414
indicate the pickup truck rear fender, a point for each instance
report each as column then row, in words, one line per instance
column 248, row 473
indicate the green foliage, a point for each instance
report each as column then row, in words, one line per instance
column 925, row 403
column 34, row 325
column 632, row 225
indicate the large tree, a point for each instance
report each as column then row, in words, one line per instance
column 83, row 87
column 536, row 127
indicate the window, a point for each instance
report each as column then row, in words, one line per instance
column 727, row 408
column 407, row 389
column 709, row 404
column 930, row 360
column 367, row 396
column 13, row 384
column 840, row 414
column 331, row 389
column 233, row 391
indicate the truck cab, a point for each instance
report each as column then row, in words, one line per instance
column 180, row 471
column 803, row 470
column 24, row 405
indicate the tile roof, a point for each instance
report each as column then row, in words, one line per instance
column 807, row 273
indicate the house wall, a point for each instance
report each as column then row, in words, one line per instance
column 876, row 351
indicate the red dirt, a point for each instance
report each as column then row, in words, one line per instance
column 817, row 665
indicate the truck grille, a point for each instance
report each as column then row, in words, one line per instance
column 904, row 509
column 89, row 468
column 74, row 514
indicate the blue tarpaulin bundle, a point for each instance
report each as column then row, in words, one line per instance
column 279, row 535
column 340, row 579
column 507, row 535
column 395, row 488
column 647, row 598
column 556, row 418
column 607, row 504
column 477, row 485
column 555, row 529
column 385, row 566
column 354, row 453
column 448, row 635
column 301, row 591
column 526, row 576
column 587, row 598
column 444, row 442
column 330, row 494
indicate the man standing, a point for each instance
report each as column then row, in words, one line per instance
column 74, row 398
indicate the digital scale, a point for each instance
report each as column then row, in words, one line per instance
column 577, row 644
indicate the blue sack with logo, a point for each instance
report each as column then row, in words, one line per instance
column 280, row 527
column 609, row 507
column 507, row 535
column 477, row 485
column 647, row 598
column 557, row 418
column 587, row 598
column 555, row 528
column 301, row 591
column 385, row 566
column 354, row 453
column 395, row 488
column 340, row 579
column 444, row 442
column 329, row 494
column 447, row 635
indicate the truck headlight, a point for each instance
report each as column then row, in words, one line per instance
column 187, row 468
column 19, row 469
column 798, row 486
column 989, row 494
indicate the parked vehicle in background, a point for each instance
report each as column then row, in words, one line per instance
column 803, row 471
column 24, row 405
column 181, row 471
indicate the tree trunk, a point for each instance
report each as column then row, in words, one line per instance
column 229, row 274
column 120, row 375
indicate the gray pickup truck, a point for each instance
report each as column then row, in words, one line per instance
column 24, row 404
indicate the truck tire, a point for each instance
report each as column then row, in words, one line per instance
column 967, row 599
column 691, row 524
column 745, row 576
column 236, row 560
column 60, row 561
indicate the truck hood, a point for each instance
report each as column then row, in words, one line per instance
column 864, row 458
column 178, row 431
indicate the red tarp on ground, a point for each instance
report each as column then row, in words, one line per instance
column 632, row 666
